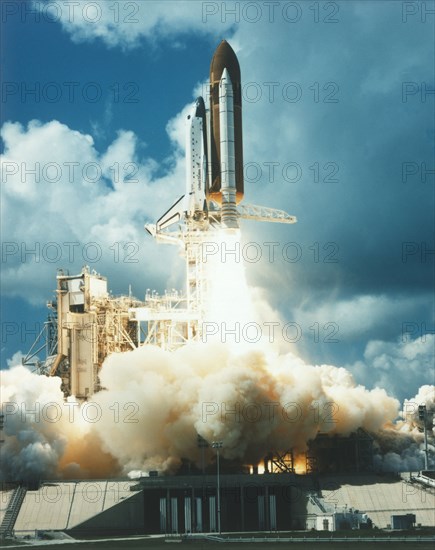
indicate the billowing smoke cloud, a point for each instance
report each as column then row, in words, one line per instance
column 44, row 436
column 30, row 445
column 402, row 447
column 156, row 402
column 251, row 402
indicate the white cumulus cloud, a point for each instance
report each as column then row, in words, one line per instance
column 66, row 204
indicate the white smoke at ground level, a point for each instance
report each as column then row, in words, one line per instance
column 157, row 402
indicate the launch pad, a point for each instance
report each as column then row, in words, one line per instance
column 87, row 324
column 185, row 505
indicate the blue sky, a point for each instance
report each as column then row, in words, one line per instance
column 349, row 129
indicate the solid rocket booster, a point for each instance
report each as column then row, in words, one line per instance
column 227, row 153
column 225, row 58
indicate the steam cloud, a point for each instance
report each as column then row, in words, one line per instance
column 156, row 402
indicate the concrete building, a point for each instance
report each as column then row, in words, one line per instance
column 191, row 504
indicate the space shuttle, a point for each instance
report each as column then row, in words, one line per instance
column 214, row 160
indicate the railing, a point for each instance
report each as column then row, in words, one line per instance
column 12, row 511
column 315, row 500
column 425, row 480
column 314, row 539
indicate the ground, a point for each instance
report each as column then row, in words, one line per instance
column 158, row 543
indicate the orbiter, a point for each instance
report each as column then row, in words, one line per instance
column 214, row 161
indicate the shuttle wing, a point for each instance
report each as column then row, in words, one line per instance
column 171, row 216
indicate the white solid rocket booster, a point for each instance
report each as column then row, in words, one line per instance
column 227, row 152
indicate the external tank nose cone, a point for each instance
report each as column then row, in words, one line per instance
column 224, row 57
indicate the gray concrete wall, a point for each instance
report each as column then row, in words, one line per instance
column 67, row 504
